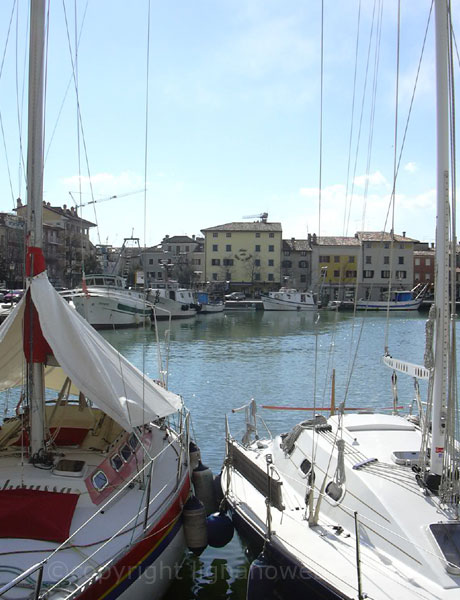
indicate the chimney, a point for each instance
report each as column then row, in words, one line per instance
column 404, row 234
column 314, row 239
column 64, row 206
column 309, row 239
column 18, row 203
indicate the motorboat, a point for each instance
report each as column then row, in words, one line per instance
column 289, row 299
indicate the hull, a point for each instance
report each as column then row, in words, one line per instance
column 211, row 308
column 381, row 305
column 165, row 308
column 112, row 311
column 289, row 299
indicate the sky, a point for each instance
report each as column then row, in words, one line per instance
column 210, row 111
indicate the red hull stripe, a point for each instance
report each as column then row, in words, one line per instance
column 117, row 579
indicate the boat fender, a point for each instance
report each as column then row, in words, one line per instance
column 220, row 529
column 195, row 455
column 262, row 578
column 195, row 529
column 203, row 483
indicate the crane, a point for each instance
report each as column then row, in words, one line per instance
column 103, row 199
column 262, row 216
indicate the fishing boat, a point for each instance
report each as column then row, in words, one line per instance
column 106, row 303
column 171, row 301
column 93, row 475
column 289, row 299
column 208, row 305
column 364, row 504
column 396, row 300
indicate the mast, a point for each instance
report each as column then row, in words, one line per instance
column 34, row 235
column 441, row 349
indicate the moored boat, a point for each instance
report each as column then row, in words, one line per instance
column 289, row 299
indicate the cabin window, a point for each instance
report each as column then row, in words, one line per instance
column 305, row 466
column 447, row 536
column 133, row 442
column 116, row 462
column 100, row 480
column 125, row 452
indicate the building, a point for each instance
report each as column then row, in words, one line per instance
column 68, row 242
column 334, row 266
column 384, row 258
column 244, row 256
column 11, row 250
column 424, row 264
column 296, row 264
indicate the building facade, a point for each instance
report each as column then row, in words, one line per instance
column 296, row 264
column 244, row 256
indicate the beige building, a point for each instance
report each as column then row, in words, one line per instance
column 244, row 256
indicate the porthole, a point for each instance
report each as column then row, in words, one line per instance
column 125, row 452
column 116, row 462
column 100, row 480
column 305, row 466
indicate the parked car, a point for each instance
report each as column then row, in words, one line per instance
column 13, row 296
column 235, row 296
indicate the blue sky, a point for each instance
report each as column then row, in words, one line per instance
column 233, row 119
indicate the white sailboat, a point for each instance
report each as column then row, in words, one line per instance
column 93, row 478
column 365, row 505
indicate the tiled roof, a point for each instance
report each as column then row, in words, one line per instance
column 296, row 245
column 255, row 226
column 337, row 241
column 382, row 236
column 179, row 239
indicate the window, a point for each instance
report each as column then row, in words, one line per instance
column 187, row 248
column 427, row 277
column 214, row 276
column 385, row 274
column 286, row 253
column 303, row 253
column 386, row 245
column 303, row 279
column 215, row 262
column 447, row 536
column 257, row 262
column 351, row 274
column 336, row 273
column 368, row 260
column 351, row 259
column 133, row 442
column 160, row 261
column 400, row 260
column 417, row 276
column 100, row 480
column 150, row 261
column 303, row 264
column 228, row 262
column 271, row 262
column 427, row 262
column 386, row 260
column 257, row 249
column 258, row 234
column 401, row 274
column 228, row 276
column 228, row 234
column 125, row 452
column 271, row 248
column 272, row 235
column 324, row 259
column 401, row 246
column 270, row 277
column 287, row 264
column 116, row 462
column 215, row 234
column 177, row 249
column 160, row 275
column 215, row 247
column 368, row 274
column 169, row 248
column 417, row 262
column 368, row 245
column 228, row 248
column 256, row 276
column 336, row 259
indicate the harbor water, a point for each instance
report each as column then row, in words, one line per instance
column 218, row 362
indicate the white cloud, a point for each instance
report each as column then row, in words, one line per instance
column 374, row 179
column 411, row 167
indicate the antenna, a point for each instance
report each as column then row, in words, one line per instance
column 262, row 216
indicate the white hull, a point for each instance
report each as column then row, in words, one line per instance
column 172, row 302
column 382, row 305
column 399, row 556
column 289, row 299
column 212, row 308
column 106, row 309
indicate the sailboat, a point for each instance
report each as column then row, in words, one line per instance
column 362, row 504
column 93, row 476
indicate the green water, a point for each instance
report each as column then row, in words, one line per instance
column 219, row 362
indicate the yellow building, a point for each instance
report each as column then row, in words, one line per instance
column 244, row 256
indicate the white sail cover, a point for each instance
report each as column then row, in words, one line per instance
column 95, row 368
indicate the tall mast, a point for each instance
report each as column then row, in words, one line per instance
column 34, row 237
column 441, row 350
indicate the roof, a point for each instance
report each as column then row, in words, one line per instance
column 382, row 236
column 337, row 241
column 296, row 245
column 179, row 239
column 244, row 226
